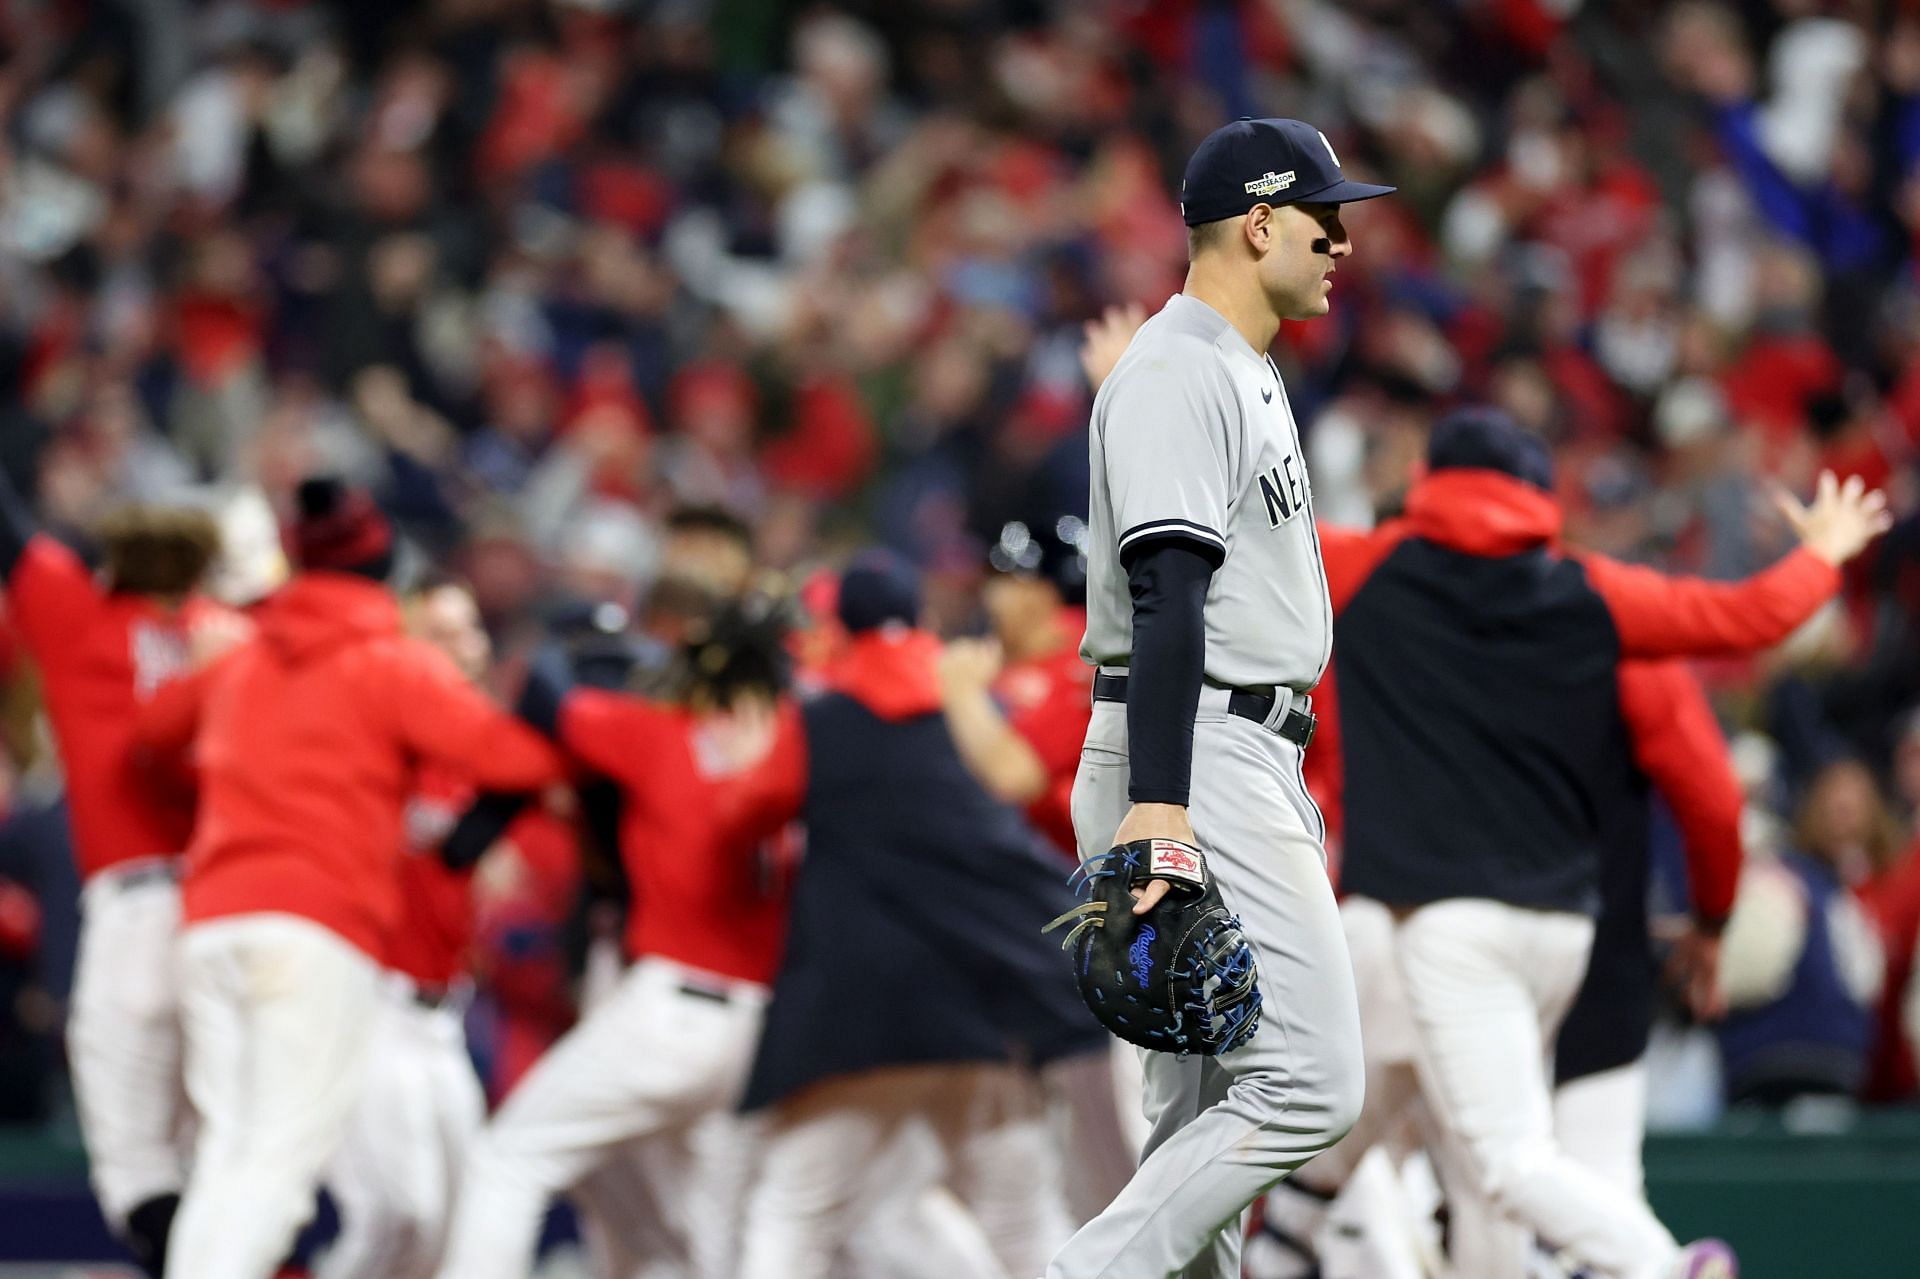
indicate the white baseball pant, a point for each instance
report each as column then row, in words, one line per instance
column 918, row 1227
column 1226, row 1128
column 625, row 1205
column 1488, row 985
column 397, row 1170
column 818, row 1188
column 1601, row 1120
column 670, row 1047
column 123, row 1037
column 1095, row 1100
column 924, row 1235
column 279, row 1014
column 1359, row 1223
column 633, row 1207
column 1392, row 1088
column 1598, row 1121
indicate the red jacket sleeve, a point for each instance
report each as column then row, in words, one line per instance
column 1661, row 616
column 610, row 732
column 1677, row 744
column 50, row 595
column 443, row 717
column 1350, row 555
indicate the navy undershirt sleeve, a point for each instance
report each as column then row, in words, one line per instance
column 548, row 682
column 488, row 817
column 481, row 827
column 1168, row 581
column 17, row 526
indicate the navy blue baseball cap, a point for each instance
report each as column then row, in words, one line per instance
column 878, row 587
column 1253, row 162
column 1486, row 439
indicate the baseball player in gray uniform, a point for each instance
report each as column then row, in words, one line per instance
column 1208, row 620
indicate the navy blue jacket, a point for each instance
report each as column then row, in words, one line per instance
column 915, row 935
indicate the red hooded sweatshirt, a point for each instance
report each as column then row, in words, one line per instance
column 1675, row 741
column 307, row 739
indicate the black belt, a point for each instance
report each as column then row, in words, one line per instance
column 1296, row 725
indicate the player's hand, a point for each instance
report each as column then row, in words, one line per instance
column 1154, row 821
column 1107, row 339
column 1693, row 968
column 969, row 666
column 1841, row 519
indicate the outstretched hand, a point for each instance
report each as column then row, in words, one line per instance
column 1107, row 339
column 1840, row 521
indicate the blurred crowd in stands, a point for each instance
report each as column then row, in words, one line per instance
column 540, row 272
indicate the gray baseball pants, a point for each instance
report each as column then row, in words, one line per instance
column 1226, row 1128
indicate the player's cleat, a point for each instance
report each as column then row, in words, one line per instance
column 1708, row 1259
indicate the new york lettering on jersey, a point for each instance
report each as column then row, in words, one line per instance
column 1271, row 430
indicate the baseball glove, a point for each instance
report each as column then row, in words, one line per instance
column 1180, row 978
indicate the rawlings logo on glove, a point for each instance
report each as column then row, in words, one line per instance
column 1174, row 860
column 1180, row 978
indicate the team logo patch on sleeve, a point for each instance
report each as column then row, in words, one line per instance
column 1270, row 183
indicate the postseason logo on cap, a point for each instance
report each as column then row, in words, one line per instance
column 1291, row 162
column 1270, row 183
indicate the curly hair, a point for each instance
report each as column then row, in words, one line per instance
column 157, row 550
column 739, row 649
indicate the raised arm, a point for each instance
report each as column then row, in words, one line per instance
column 49, row 591
column 992, row 749
column 1660, row 616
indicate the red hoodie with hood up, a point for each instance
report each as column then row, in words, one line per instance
column 307, row 740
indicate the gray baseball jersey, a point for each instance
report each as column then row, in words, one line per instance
column 1192, row 432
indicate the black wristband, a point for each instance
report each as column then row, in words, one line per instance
column 1168, row 582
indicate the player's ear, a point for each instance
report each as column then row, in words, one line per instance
column 1258, row 229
